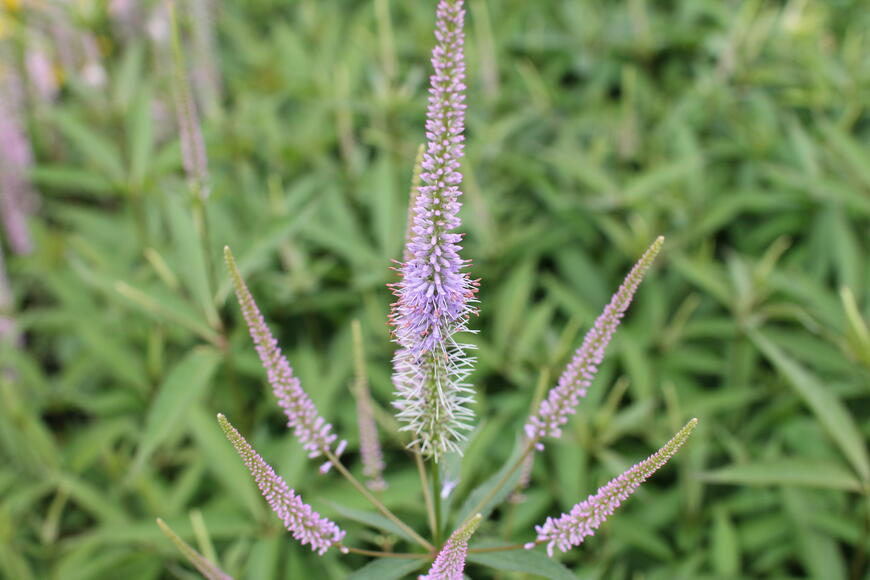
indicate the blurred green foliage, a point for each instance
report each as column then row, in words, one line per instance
column 739, row 130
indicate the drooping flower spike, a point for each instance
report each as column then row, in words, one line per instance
column 299, row 518
column 572, row 528
column 434, row 297
column 313, row 431
column 450, row 561
column 370, row 446
column 562, row 400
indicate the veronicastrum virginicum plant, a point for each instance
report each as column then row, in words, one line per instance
column 435, row 298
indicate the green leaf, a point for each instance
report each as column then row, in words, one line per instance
column 529, row 561
column 482, row 491
column 179, row 391
column 190, row 258
column 828, row 408
column 100, row 151
column 799, row 472
column 140, row 136
column 386, row 569
column 72, row 179
column 725, row 554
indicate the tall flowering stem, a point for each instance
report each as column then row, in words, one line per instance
column 450, row 561
column 313, row 432
column 562, row 400
column 306, row 525
column 17, row 197
column 572, row 528
column 370, row 446
column 193, row 154
column 434, row 297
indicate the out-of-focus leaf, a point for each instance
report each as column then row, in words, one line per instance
column 528, row 561
column 800, row 472
column 827, row 407
column 180, row 390
column 386, row 569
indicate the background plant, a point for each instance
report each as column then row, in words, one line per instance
column 738, row 130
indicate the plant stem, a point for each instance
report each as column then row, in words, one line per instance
column 427, row 493
column 376, row 502
column 436, row 492
column 530, row 446
column 379, row 554
column 499, row 548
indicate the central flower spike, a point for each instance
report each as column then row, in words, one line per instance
column 434, row 296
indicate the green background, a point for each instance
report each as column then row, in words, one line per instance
column 738, row 130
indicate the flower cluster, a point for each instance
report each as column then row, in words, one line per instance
column 313, row 432
column 450, row 562
column 562, row 400
column 307, row 526
column 572, row 528
column 435, row 297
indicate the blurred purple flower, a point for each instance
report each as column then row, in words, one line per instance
column 370, row 446
column 17, row 197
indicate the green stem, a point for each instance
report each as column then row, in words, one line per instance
column 379, row 554
column 427, row 493
column 530, row 446
column 376, row 502
column 436, row 492
column 500, row 548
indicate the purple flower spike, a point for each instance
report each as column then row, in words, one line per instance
column 313, row 432
column 434, row 296
column 193, row 154
column 572, row 528
column 450, row 561
column 307, row 525
column 370, row 446
column 562, row 400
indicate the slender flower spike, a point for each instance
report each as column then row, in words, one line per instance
column 450, row 561
column 193, row 154
column 572, row 528
column 313, row 432
column 17, row 197
column 562, row 400
column 307, row 526
column 370, row 447
column 434, row 297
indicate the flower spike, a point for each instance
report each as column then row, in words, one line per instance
column 562, row 400
column 370, row 446
column 450, row 561
column 313, row 431
column 307, row 525
column 434, row 297
column 572, row 528
column 193, row 155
